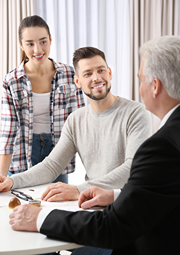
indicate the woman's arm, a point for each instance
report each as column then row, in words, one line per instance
column 5, row 161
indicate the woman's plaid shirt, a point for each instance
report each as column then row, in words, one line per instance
column 17, row 113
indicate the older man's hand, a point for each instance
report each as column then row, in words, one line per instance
column 95, row 196
column 23, row 218
column 60, row 191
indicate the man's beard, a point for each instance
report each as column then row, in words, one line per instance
column 98, row 98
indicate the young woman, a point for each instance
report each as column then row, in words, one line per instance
column 37, row 98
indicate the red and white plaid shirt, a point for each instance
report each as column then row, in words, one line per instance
column 17, row 113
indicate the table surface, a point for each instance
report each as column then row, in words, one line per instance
column 19, row 242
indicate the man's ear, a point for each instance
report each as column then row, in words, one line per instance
column 110, row 73
column 76, row 80
column 157, row 87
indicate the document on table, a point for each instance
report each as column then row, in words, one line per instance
column 67, row 206
column 36, row 192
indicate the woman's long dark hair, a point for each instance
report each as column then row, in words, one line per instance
column 31, row 21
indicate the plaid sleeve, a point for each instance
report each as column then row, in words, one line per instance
column 76, row 101
column 80, row 103
column 69, row 78
column 79, row 93
column 80, row 98
column 9, row 122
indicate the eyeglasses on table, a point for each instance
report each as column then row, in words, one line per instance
column 21, row 195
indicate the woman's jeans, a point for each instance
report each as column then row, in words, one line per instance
column 41, row 147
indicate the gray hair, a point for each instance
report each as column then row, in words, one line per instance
column 162, row 61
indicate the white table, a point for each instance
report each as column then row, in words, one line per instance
column 22, row 243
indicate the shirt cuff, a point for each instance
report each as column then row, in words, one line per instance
column 42, row 216
column 116, row 193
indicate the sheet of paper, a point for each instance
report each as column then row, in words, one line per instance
column 76, row 208
column 36, row 192
column 68, row 206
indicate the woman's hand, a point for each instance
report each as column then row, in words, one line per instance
column 6, row 183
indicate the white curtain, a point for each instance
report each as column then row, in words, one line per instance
column 99, row 23
column 150, row 19
column 11, row 13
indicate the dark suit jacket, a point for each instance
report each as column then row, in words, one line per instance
column 145, row 218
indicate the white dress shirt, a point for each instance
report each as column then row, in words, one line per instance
column 166, row 117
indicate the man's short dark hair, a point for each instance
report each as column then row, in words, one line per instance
column 86, row 52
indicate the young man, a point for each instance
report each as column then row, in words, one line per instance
column 106, row 134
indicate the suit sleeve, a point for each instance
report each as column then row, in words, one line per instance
column 152, row 192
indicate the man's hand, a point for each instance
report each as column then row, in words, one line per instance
column 6, row 183
column 95, row 196
column 23, row 218
column 60, row 191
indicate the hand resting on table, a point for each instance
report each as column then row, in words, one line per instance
column 60, row 191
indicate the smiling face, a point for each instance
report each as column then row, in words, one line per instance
column 36, row 44
column 94, row 77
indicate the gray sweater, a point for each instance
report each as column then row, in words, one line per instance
column 106, row 143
